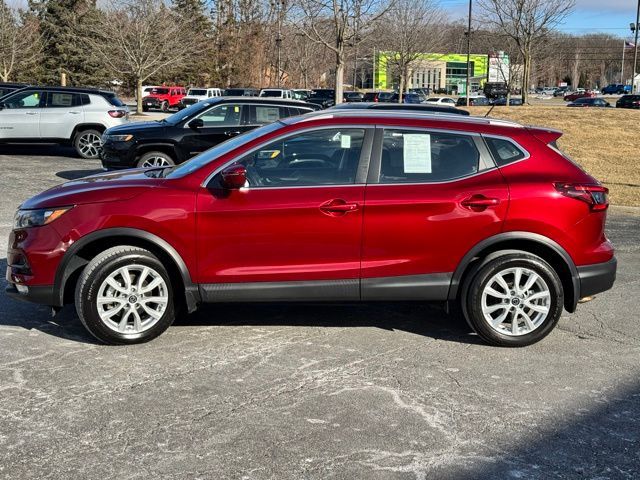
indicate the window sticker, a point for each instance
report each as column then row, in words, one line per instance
column 236, row 109
column 417, row 153
column 345, row 141
column 267, row 114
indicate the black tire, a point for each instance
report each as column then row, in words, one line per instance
column 145, row 109
column 474, row 287
column 91, row 280
column 85, row 143
column 164, row 106
column 153, row 159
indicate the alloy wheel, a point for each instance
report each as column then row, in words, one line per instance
column 516, row 301
column 132, row 299
column 156, row 161
column 90, row 145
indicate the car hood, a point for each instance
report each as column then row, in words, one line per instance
column 103, row 187
column 135, row 127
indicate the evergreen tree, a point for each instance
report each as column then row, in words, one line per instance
column 196, row 71
column 64, row 25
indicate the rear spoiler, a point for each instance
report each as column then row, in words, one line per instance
column 546, row 135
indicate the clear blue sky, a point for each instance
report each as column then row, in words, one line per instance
column 609, row 16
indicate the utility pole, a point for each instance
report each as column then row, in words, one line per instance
column 636, row 27
column 279, row 6
column 468, row 86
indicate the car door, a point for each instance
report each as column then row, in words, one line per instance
column 219, row 123
column 431, row 196
column 20, row 115
column 61, row 113
column 294, row 231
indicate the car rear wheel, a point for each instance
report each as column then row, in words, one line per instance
column 514, row 300
column 124, row 296
column 155, row 159
column 88, row 143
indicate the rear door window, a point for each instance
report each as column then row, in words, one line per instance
column 412, row 156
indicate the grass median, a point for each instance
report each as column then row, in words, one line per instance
column 605, row 141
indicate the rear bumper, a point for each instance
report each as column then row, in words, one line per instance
column 597, row 278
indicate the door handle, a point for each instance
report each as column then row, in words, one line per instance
column 31, row 113
column 479, row 202
column 337, row 206
column 232, row 133
column 74, row 113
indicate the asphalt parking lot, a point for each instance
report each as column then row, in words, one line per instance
column 379, row 391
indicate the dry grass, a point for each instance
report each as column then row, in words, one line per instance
column 606, row 142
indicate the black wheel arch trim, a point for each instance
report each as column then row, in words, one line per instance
column 510, row 236
column 71, row 262
column 142, row 148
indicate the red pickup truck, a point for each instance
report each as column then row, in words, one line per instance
column 163, row 98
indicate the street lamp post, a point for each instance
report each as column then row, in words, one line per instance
column 635, row 27
column 467, row 88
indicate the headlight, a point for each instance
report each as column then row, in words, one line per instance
column 37, row 218
column 117, row 138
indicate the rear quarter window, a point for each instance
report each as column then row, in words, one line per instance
column 504, row 151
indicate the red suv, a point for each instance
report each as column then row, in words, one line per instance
column 163, row 98
column 341, row 206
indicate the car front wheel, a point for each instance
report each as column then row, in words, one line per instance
column 124, row 296
column 155, row 159
column 514, row 300
column 164, row 106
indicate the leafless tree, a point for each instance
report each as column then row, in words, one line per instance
column 336, row 24
column 20, row 43
column 141, row 39
column 413, row 27
column 526, row 22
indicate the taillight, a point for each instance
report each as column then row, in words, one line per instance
column 596, row 196
column 117, row 113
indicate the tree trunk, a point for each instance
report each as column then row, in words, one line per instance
column 403, row 79
column 526, row 71
column 339, row 77
column 138, row 95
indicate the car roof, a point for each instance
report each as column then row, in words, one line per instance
column 96, row 91
column 265, row 100
column 388, row 106
column 397, row 115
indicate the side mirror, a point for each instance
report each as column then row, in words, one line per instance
column 234, row 177
column 196, row 123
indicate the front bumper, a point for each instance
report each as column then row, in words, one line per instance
column 118, row 155
column 40, row 294
column 597, row 278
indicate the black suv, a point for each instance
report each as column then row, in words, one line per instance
column 323, row 97
column 628, row 101
column 193, row 130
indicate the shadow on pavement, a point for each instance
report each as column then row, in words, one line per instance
column 76, row 174
column 49, row 150
column 420, row 319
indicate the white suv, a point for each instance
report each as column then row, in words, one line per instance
column 67, row 115
column 195, row 95
column 276, row 93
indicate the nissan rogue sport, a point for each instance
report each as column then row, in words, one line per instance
column 331, row 206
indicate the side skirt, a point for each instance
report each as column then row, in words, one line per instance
column 431, row 287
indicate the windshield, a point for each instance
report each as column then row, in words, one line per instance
column 197, row 92
column 271, row 93
column 223, row 148
column 322, row 94
column 187, row 113
column 159, row 91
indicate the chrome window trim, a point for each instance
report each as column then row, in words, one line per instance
column 279, row 105
column 476, row 137
column 280, row 137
